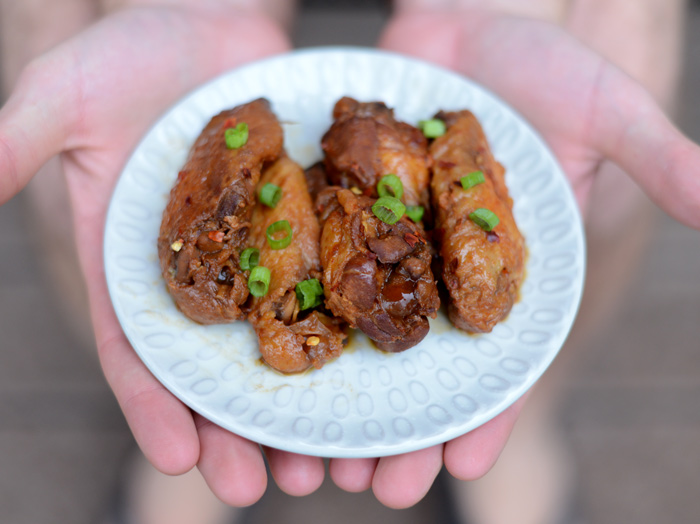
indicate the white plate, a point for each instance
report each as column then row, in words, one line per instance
column 367, row 403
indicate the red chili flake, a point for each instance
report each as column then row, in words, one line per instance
column 216, row 236
column 188, row 201
column 230, row 122
column 444, row 164
column 492, row 236
column 412, row 239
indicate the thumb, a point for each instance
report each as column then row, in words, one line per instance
column 35, row 122
column 630, row 129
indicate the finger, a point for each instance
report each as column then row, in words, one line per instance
column 633, row 131
column 161, row 424
column 32, row 130
column 296, row 475
column 353, row 475
column 232, row 466
column 472, row 455
column 401, row 481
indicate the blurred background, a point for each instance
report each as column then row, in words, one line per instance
column 630, row 406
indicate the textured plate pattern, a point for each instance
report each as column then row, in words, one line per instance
column 367, row 403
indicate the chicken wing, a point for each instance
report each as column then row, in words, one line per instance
column 207, row 217
column 366, row 142
column 376, row 276
column 290, row 340
column 482, row 268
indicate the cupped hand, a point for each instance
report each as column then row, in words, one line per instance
column 588, row 112
column 90, row 100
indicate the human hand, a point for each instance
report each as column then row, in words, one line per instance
column 586, row 109
column 89, row 101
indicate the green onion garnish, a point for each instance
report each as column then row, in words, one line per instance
column 270, row 195
column 484, row 218
column 472, row 179
column 259, row 281
column 388, row 209
column 432, row 128
column 390, row 185
column 415, row 213
column 272, row 234
column 236, row 136
column 250, row 257
column 309, row 293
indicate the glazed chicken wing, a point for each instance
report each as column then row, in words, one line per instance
column 290, row 340
column 482, row 268
column 376, row 276
column 206, row 220
column 366, row 142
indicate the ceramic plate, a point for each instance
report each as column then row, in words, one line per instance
column 366, row 403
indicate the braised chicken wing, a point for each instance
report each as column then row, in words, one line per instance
column 481, row 248
column 206, row 221
column 366, row 142
column 376, row 276
column 291, row 338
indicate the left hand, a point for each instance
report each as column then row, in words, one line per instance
column 586, row 109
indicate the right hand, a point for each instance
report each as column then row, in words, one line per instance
column 90, row 100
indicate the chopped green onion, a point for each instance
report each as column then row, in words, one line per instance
column 270, row 195
column 432, row 128
column 250, row 257
column 236, row 136
column 309, row 293
column 484, row 218
column 390, row 185
column 472, row 179
column 259, row 281
column 415, row 213
column 388, row 209
column 277, row 227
